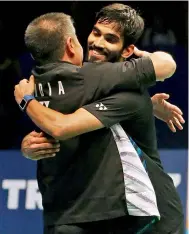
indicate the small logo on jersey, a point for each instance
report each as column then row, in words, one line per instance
column 101, row 106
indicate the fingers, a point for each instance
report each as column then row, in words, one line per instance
column 40, row 140
column 35, row 134
column 23, row 81
column 40, row 154
column 171, row 126
column 177, row 123
column 176, row 109
column 28, row 153
column 44, row 146
column 16, row 87
column 177, row 120
column 46, row 156
column 44, row 152
column 179, row 117
column 36, row 147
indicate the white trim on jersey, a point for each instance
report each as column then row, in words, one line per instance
column 139, row 191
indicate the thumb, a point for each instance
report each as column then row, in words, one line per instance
column 161, row 96
column 31, row 79
column 158, row 98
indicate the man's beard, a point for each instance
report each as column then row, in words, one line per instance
column 110, row 56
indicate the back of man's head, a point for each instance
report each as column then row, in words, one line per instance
column 45, row 36
column 129, row 22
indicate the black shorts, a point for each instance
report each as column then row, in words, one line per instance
column 123, row 225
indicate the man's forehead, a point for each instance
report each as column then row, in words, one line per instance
column 107, row 27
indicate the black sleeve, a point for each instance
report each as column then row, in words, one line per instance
column 130, row 75
column 136, row 74
column 116, row 108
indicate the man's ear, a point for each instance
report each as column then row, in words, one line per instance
column 127, row 52
column 70, row 46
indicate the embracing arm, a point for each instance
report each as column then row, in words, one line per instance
column 135, row 74
column 102, row 113
column 89, row 118
column 163, row 63
column 164, row 67
column 62, row 126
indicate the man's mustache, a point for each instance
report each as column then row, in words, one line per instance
column 98, row 49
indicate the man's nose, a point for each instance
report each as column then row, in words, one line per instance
column 99, row 43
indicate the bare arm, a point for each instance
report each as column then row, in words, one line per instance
column 164, row 64
column 62, row 126
column 65, row 126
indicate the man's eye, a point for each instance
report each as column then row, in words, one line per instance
column 96, row 33
column 111, row 40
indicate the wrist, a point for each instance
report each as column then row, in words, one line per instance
column 25, row 101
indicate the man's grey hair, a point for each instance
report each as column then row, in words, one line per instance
column 45, row 37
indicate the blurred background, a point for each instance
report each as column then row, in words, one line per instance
column 166, row 28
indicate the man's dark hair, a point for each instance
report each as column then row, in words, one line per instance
column 45, row 36
column 130, row 23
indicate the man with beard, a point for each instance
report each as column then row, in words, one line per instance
column 101, row 165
